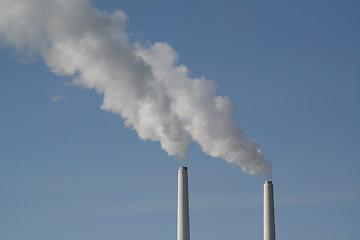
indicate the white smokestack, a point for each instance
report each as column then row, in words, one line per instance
column 141, row 83
column 183, row 226
column 269, row 214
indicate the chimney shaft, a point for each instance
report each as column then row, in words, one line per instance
column 269, row 216
column 183, row 228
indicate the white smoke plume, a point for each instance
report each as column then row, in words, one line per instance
column 143, row 85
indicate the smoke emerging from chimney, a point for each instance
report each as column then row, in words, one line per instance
column 143, row 85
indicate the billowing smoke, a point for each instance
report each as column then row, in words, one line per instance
column 144, row 85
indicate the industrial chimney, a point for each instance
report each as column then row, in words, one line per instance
column 183, row 228
column 269, row 216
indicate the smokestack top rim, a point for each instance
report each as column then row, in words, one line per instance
column 268, row 182
column 182, row 168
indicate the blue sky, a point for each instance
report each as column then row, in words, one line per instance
column 69, row 170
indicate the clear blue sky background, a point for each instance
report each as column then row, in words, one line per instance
column 69, row 170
